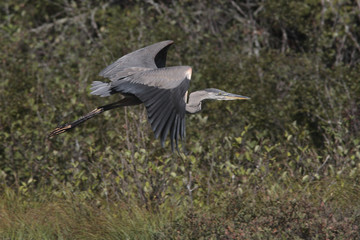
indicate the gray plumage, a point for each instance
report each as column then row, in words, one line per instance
column 141, row 77
column 150, row 57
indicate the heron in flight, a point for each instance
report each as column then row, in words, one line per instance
column 141, row 77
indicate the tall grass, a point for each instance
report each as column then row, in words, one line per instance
column 326, row 209
column 75, row 218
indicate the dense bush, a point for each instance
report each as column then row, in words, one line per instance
column 286, row 163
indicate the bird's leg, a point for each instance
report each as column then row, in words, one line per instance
column 127, row 101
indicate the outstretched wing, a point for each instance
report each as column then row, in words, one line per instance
column 147, row 58
column 162, row 91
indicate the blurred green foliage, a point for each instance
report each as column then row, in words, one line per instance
column 286, row 163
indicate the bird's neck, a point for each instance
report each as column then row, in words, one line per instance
column 193, row 108
column 194, row 103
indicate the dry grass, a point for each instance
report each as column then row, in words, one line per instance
column 325, row 209
column 24, row 218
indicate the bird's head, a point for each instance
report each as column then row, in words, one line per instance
column 216, row 94
column 195, row 98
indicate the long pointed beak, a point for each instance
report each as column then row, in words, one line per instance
column 231, row 96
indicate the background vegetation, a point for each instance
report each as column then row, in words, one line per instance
column 284, row 165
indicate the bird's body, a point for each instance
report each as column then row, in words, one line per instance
column 141, row 77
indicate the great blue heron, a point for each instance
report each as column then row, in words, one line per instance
column 141, row 77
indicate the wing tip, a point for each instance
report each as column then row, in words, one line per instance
column 167, row 42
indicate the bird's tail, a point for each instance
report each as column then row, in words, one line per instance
column 101, row 89
column 69, row 126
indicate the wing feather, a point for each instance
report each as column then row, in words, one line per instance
column 182, row 129
column 143, row 74
column 161, row 124
column 177, row 133
column 151, row 95
column 160, row 119
column 143, row 59
column 162, row 91
column 154, row 114
column 173, row 132
column 167, row 128
column 156, row 104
